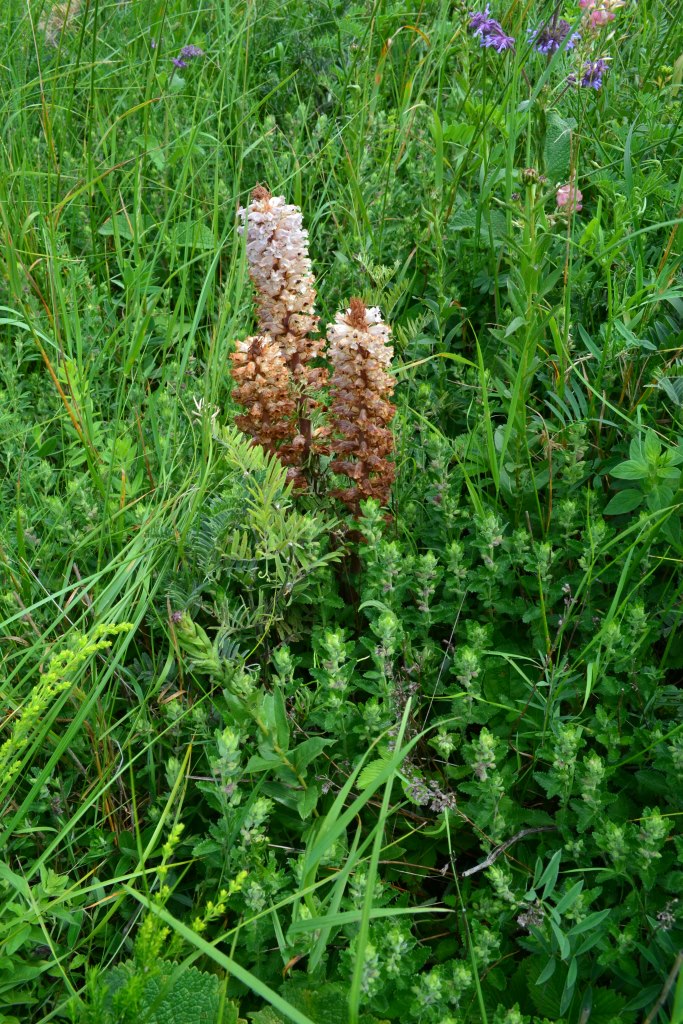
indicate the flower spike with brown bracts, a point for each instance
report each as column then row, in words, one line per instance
column 280, row 269
column 360, row 410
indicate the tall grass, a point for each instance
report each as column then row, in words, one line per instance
column 536, row 354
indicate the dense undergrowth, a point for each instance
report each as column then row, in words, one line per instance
column 262, row 761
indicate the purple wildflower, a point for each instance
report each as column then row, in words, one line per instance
column 490, row 31
column 179, row 63
column 191, row 52
column 593, row 70
column 549, row 37
column 478, row 19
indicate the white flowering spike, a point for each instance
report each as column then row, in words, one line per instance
column 279, row 266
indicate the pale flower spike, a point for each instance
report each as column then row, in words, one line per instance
column 280, row 268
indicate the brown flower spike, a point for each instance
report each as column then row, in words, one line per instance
column 279, row 359
column 276, row 381
column 360, row 410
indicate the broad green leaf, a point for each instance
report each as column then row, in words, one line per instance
column 307, row 751
column 170, row 994
column 652, row 446
column 118, row 224
column 557, row 148
column 514, row 325
column 307, row 801
column 257, row 763
column 631, row 470
column 624, row 501
column 660, row 496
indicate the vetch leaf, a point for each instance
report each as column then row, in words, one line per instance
column 549, row 876
column 562, row 940
column 592, row 921
column 547, row 972
column 569, row 898
column 569, row 986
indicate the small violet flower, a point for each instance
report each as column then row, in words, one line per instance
column 490, row 31
column 593, row 70
column 550, row 37
column 189, row 52
column 569, row 198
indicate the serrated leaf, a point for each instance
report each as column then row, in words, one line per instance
column 326, row 1004
column 204, row 847
column 370, row 773
column 557, row 148
column 169, row 994
column 624, row 501
column 266, row 1016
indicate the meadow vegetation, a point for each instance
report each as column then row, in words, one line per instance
column 289, row 744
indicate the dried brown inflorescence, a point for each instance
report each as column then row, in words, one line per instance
column 264, row 388
column 279, row 266
column 360, row 410
column 277, row 382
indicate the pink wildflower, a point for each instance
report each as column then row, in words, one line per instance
column 569, row 198
column 601, row 17
column 601, row 11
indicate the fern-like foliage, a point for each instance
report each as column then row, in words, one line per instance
column 250, row 549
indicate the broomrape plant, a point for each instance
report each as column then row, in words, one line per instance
column 275, row 372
